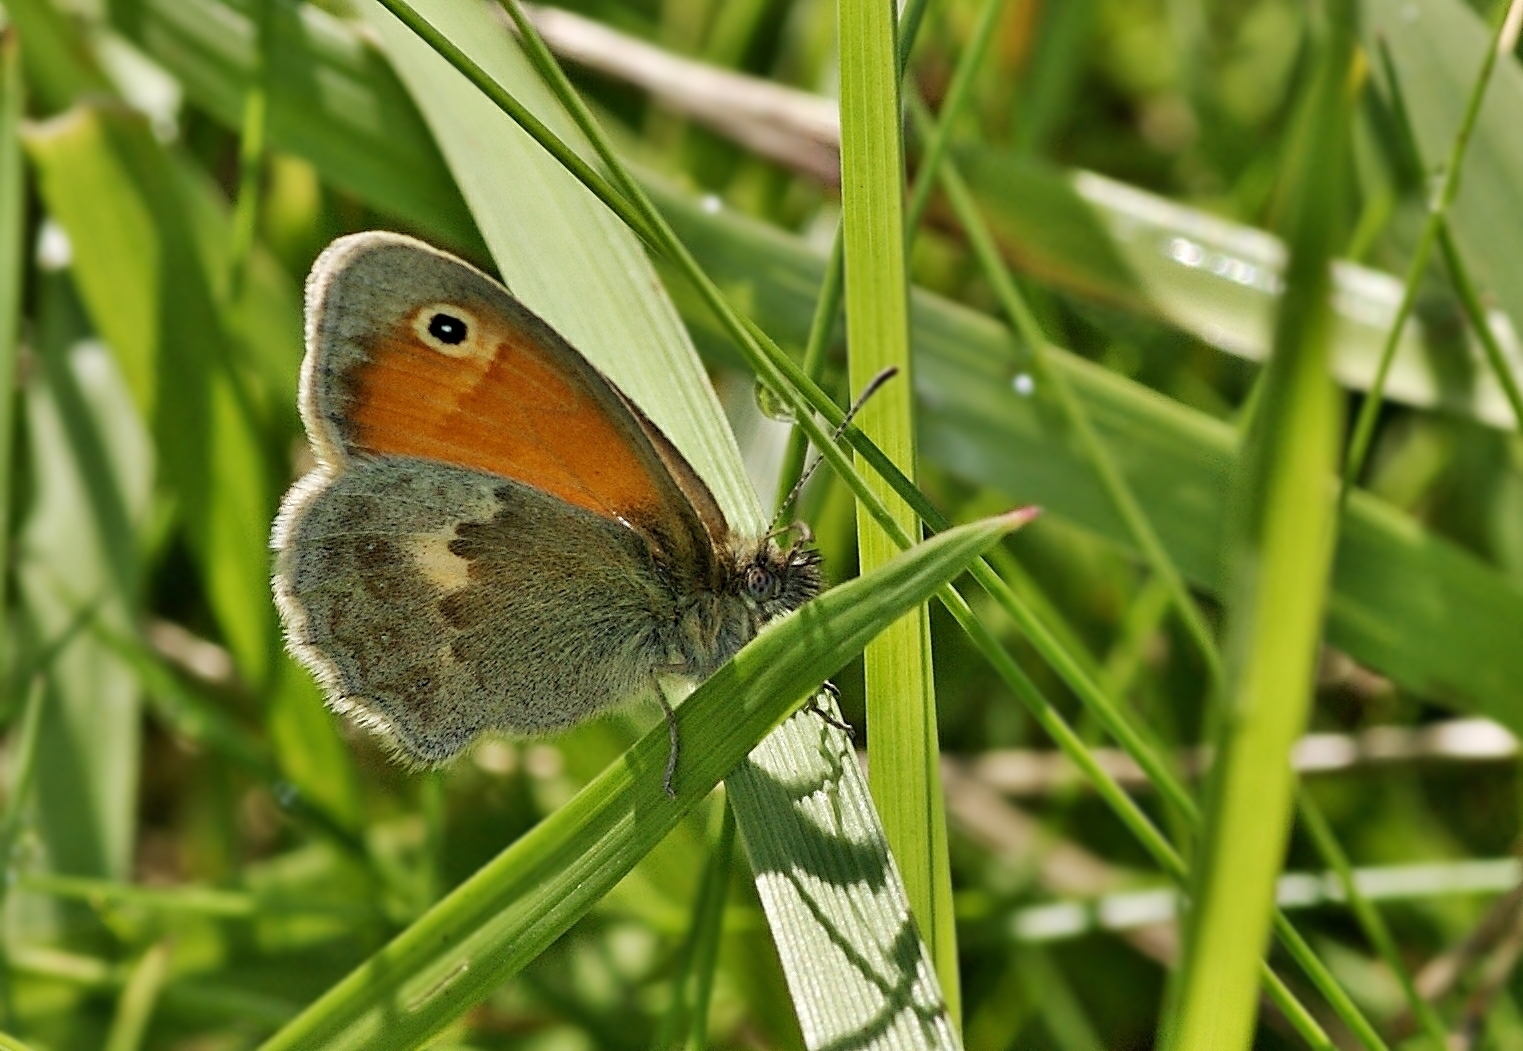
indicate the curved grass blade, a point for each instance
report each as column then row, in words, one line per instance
column 510, row 910
column 541, row 235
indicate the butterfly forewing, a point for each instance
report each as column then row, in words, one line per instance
column 414, row 353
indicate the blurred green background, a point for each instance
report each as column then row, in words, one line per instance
column 195, row 848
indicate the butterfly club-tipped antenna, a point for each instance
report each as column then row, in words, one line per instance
column 867, row 392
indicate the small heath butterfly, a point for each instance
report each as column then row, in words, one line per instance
column 495, row 538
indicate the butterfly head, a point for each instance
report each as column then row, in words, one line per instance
column 774, row 578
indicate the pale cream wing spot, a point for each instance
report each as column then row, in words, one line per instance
column 432, row 557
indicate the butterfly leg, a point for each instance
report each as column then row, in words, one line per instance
column 671, row 730
column 817, row 706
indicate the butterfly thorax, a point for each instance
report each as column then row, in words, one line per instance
column 756, row 582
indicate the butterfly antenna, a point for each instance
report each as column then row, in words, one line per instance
column 867, row 392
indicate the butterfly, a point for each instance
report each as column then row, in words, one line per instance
column 494, row 538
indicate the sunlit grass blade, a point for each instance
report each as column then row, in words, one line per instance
column 902, row 741
column 1280, row 555
column 811, row 891
column 87, row 449
column 510, row 910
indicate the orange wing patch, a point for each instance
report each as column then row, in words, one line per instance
column 499, row 402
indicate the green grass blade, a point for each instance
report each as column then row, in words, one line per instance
column 633, row 336
column 88, row 449
column 12, row 269
column 511, row 909
column 145, row 283
column 1440, row 46
column 1400, row 592
column 1280, row 556
column 902, row 742
column 1405, row 601
column 1438, row 207
column 811, row 897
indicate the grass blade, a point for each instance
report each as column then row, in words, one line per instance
column 12, row 270
column 633, row 336
column 1279, row 558
column 511, row 909
column 1405, row 601
column 902, row 742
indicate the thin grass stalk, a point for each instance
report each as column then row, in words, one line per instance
column 1438, row 207
column 1409, row 160
column 22, row 760
column 135, row 1004
column 709, row 929
column 250, row 156
column 1014, row 304
column 827, row 306
column 1280, row 557
column 1475, row 313
column 12, row 270
column 1370, row 921
column 958, row 92
column 768, row 360
column 686, row 1021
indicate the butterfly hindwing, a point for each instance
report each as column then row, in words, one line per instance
column 435, row 602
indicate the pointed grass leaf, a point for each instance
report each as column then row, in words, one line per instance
column 489, row 927
column 570, row 260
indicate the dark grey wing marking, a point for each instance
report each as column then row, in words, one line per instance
column 436, row 602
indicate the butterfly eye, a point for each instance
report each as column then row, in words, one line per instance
column 761, row 583
column 447, row 328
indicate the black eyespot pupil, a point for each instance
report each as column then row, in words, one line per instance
column 447, row 328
